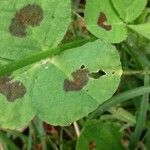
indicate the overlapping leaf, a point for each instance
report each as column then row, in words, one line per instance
column 31, row 25
column 62, row 89
column 98, row 135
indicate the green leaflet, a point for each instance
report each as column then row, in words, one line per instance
column 143, row 29
column 65, row 88
column 103, row 22
column 129, row 10
column 108, row 19
column 97, row 135
column 16, row 111
column 31, row 25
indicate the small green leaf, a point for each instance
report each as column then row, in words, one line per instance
column 98, row 135
column 31, row 25
column 102, row 21
column 66, row 89
column 143, row 29
column 129, row 10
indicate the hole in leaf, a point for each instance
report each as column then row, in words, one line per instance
column 92, row 145
column 11, row 90
column 29, row 15
column 97, row 75
column 102, row 22
column 80, row 79
column 82, row 67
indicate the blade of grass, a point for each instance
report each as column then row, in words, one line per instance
column 6, row 142
column 17, row 64
column 29, row 146
column 124, row 96
column 40, row 135
column 141, row 117
column 140, row 58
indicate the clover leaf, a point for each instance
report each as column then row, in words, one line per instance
column 61, row 89
column 32, row 25
column 98, row 135
column 110, row 19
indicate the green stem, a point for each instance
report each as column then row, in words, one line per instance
column 135, row 72
column 141, row 117
column 119, row 99
column 29, row 145
column 17, row 64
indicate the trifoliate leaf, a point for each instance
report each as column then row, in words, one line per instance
column 102, row 21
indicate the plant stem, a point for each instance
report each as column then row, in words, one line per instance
column 17, row 64
column 135, row 72
column 124, row 96
column 29, row 146
column 141, row 117
column 61, row 139
column 140, row 58
column 6, row 142
column 76, row 127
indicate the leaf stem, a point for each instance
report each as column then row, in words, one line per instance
column 76, row 128
column 124, row 96
column 135, row 72
column 141, row 117
column 17, row 64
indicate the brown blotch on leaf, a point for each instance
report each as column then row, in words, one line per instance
column 29, row 15
column 11, row 90
column 92, row 145
column 102, row 22
column 97, row 75
column 80, row 79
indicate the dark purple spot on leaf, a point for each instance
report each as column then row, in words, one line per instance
column 92, row 145
column 102, row 22
column 11, row 90
column 97, row 75
column 80, row 79
column 29, row 15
